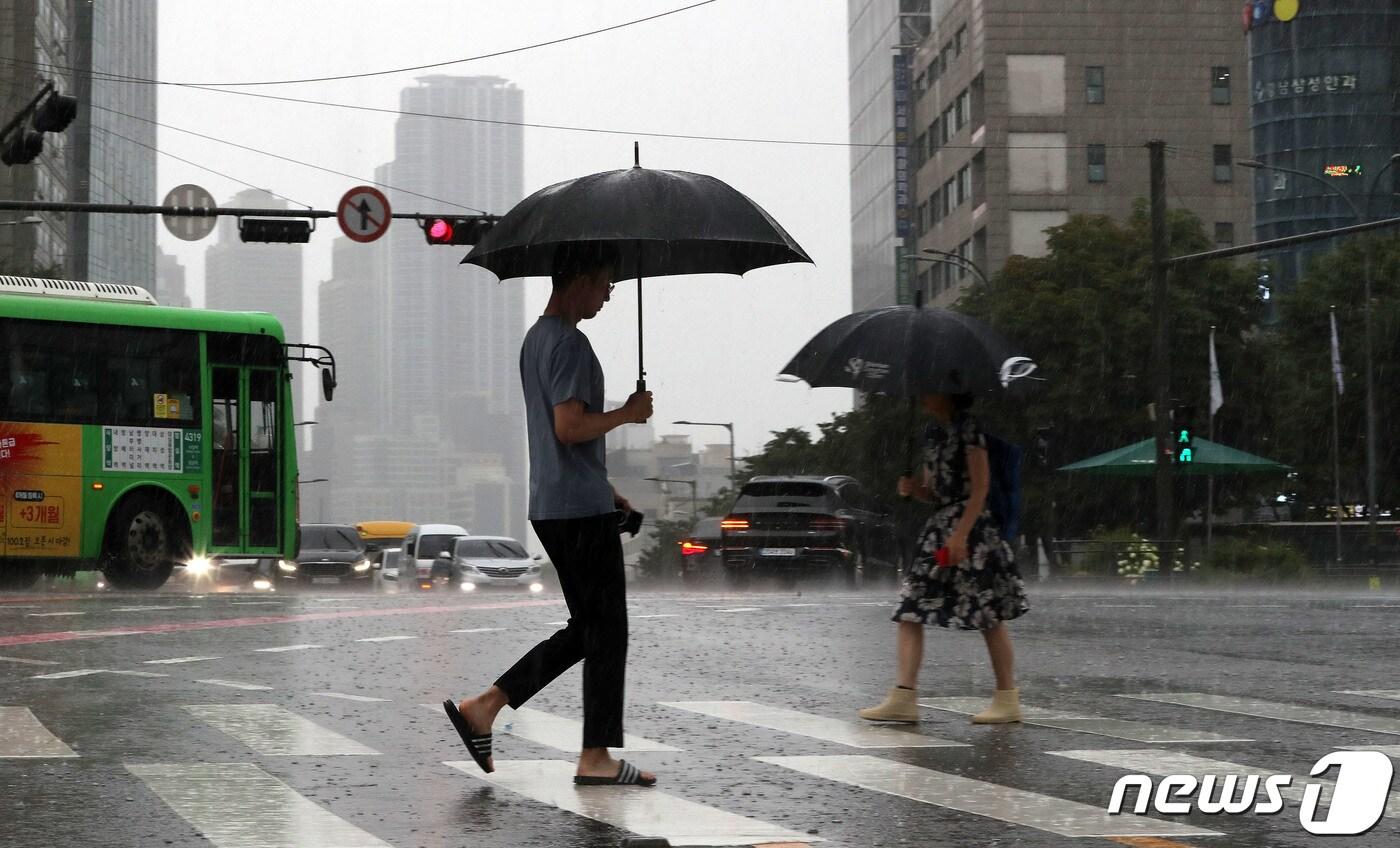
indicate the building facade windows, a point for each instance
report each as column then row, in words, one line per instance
column 1220, row 85
column 950, row 195
column 1224, row 234
column 1098, row 164
column 964, row 184
column 960, row 41
column 1093, row 84
column 1224, row 172
column 963, row 108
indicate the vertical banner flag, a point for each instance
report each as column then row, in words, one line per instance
column 1217, row 394
column 1336, row 353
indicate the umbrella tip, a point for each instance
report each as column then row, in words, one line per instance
column 636, row 154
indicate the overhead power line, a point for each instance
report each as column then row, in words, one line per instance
column 286, row 159
column 148, row 81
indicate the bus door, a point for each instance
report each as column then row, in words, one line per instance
column 247, row 463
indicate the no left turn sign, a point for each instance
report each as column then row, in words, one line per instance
column 363, row 214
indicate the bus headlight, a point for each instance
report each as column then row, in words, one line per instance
column 198, row 566
column 362, row 566
column 284, row 565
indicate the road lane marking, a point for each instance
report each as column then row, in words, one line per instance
column 158, row 607
column 258, row 621
column 1388, row 694
column 77, row 672
column 1134, row 731
column 24, row 736
column 659, row 615
column 555, row 623
column 177, row 660
column 1159, row 762
column 1274, row 710
column 273, row 731
column 740, row 609
column 234, row 684
column 1001, row 803
column 24, row 661
column 647, row 812
column 258, row 603
column 138, row 673
column 1125, row 606
column 849, row 733
column 346, row 697
column 479, row 630
column 386, row 638
column 238, row 805
column 282, row 648
column 51, row 614
column 556, row 731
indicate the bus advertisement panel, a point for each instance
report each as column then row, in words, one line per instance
column 41, row 509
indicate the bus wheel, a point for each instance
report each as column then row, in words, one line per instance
column 145, row 543
column 18, row 574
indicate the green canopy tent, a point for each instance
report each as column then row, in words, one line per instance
column 1139, row 460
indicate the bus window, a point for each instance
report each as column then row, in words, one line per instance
column 262, row 457
column 228, row 487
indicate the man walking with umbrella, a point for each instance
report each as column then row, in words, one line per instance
column 573, row 510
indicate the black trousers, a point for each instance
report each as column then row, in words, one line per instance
column 587, row 554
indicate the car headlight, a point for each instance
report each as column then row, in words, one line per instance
column 362, row 565
column 536, row 587
column 286, row 565
column 198, row 566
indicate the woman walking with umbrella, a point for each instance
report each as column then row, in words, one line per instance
column 964, row 574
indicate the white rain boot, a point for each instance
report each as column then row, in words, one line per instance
column 900, row 705
column 1005, row 708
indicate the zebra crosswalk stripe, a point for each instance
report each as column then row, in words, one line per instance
column 1275, row 710
column 1134, row 731
column 273, row 731
column 23, row 736
column 643, row 811
column 850, row 733
column 1015, row 806
column 238, row 805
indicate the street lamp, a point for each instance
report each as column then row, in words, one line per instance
column 694, row 500
column 959, row 258
column 1360, row 217
column 728, row 425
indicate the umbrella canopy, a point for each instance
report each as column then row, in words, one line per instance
column 1139, row 460
column 907, row 350
column 662, row 222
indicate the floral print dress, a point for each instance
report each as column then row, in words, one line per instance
column 986, row 588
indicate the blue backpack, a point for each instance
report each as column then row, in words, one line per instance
column 1004, row 493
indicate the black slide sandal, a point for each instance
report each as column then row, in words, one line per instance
column 478, row 745
column 627, row 775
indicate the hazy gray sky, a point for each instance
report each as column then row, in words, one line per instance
column 757, row 68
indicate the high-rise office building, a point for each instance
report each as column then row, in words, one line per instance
column 36, row 36
column 1026, row 113
column 1323, row 83
column 170, row 281
column 111, row 143
column 254, row 277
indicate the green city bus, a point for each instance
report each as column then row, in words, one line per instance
column 135, row 438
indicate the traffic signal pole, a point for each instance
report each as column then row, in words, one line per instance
column 195, row 211
column 1161, row 366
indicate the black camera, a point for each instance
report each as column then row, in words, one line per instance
column 629, row 522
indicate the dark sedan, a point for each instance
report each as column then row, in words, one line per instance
column 331, row 555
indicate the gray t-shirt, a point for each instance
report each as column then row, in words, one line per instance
column 557, row 364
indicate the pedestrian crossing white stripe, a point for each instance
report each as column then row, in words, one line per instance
column 234, row 684
column 555, row 731
column 24, row 661
column 386, row 638
column 1135, row 731
column 287, row 648
column 740, row 609
column 1015, row 806
column 1274, row 710
column 138, row 673
column 23, row 736
column 276, row 732
column 238, row 805
column 176, row 660
column 77, row 672
column 643, row 811
column 346, row 697
column 52, row 614
column 850, row 733
column 479, row 630
column 659, row 615
column 1158, row 762
column 1388, row 694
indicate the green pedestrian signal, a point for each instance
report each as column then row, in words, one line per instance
column 1183, row 448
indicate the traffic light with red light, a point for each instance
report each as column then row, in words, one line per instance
column 456, row 231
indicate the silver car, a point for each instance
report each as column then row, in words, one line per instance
column 484, row 561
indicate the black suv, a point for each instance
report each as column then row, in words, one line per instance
column 804, row 525
column 332, row 554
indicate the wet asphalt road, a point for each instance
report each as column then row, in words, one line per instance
column 312, row 719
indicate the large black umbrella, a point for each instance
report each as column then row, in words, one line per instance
column 661, row 222
column 908, row 350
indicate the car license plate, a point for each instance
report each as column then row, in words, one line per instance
column 777, row 552
column 325, row 580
